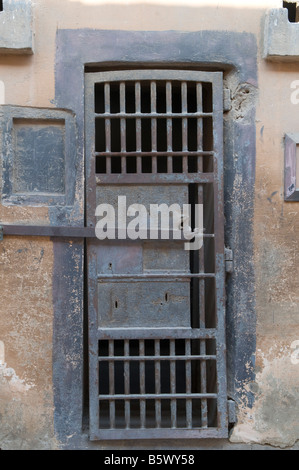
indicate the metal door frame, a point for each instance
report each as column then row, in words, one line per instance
column 84, row 50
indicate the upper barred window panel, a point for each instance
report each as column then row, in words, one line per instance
column 150, row 97
column 153, row 126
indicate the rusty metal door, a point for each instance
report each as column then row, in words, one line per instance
column 156, row 311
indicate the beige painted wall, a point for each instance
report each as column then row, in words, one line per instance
column 33, row 83
column 26, row 332
column 274, row 418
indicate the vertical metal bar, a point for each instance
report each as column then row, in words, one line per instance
column 173, row 409
column 154, row 125
column 217, row 98
column 201, row 263
column 157, row 383
column 199, row 126
column 142, row 385
column 127, row 382
column 89, row 148
column 107, row 126
column 203, row 381
column 184, row 126
column 202, row 322
column 188, row 384
column 169, row 124
column 202, row 318
column 138, row 125
column 200, row 196
column 122, row 99
column 111, row 385
column 93, row 343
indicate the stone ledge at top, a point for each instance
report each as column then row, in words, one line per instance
column 16, row 27
column 281, row 38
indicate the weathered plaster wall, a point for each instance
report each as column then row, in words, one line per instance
column 28, row 295
column 26, row 397
column 274, row 416
column 26, row 265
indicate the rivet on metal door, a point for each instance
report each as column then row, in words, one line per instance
column 156, row 310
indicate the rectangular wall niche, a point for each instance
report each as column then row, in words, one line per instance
column 39, row 156
column 291, row 180
column 38, row 149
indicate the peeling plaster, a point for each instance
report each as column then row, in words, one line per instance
column 243, row 102
column 8, row 376
column 274, row 418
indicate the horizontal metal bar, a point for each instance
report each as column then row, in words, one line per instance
column 130, row 77
column 151, row 153
column 154, row 178
column 80, row 232
column 152, row 396
column 152, row 115
column 49, row 231
column 156, row 276
column 167, row 234
column 158, row 433
column 156, row 358
column 156, row 333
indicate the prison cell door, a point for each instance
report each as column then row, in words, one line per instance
column 155, row 309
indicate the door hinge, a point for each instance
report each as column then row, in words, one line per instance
column 227, row 102
column 229, row 264
column 231, row 411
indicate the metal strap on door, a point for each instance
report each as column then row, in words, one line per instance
column 46, row 231
column 156, row 311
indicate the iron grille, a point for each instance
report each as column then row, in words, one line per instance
column 155, row 383
column 156, row 312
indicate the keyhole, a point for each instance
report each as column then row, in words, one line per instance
column 165, row 298
column 110, row 265
column 116, row 304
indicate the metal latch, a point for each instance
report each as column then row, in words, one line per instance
column 1, row 233
column 229, row 265
column 231, row 411
column 227, row 102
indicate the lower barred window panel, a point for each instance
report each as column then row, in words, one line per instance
column 157, row 384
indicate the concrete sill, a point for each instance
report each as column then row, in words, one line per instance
column 16, row 36
column 281, row 38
